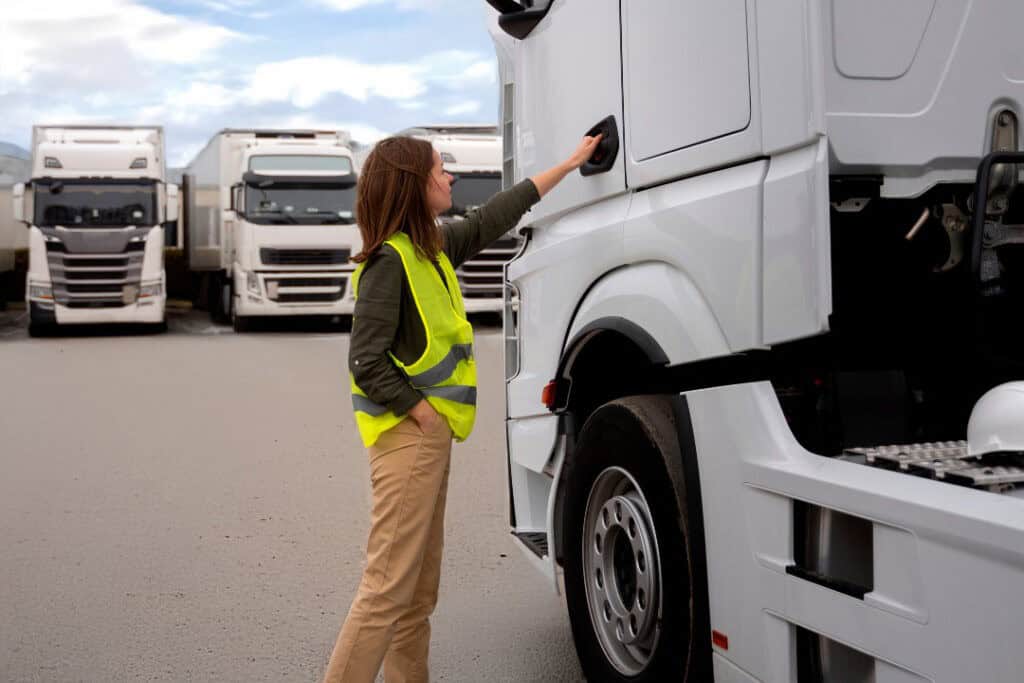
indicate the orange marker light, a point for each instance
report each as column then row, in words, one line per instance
column 720, row 640
column 547, row 396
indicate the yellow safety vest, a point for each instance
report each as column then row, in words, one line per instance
column 445, row 373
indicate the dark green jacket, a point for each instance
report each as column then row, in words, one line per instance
column 385, row 317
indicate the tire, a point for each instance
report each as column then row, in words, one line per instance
column 241, row 323
column 626, row 528
column 220, row 296
column 40, row 331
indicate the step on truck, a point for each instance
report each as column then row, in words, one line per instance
column 763, row 352
column 472, row 154
column 270, row 224
column 96, row 205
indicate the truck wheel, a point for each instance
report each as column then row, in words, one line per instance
column 40, row 330
column 220, row 299
column 241, row 323
column 628, row 553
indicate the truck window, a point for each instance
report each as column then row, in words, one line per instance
column 89, row 203
column 276, row 203
column 472, row 190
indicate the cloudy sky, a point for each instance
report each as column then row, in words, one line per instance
column 196, row 66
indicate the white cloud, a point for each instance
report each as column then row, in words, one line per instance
column 349, row 5
column 191, row 105
column 307, row 80
column 241, row 8
column 145, row 33
column 462, row 108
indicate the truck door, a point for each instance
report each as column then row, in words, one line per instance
column 687, row 87
column 567, row 78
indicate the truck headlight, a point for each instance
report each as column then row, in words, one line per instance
column 155, row 289
column 40, row 292
column 252, row 282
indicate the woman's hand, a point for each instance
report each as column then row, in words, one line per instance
column 425, row 415
column 583, row 153
column 546, row 180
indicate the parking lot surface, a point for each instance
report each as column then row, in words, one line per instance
column 194, row 506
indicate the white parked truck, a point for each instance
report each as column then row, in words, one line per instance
column 270, row 223
column 95, row 205
column 472, row 154
column 13, row 169
column 763, row 352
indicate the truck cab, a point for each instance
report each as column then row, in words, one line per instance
column 96, row 205
column 764, row 396
column 271, row 224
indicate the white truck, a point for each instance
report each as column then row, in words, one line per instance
column 95, row 205
column 269, row 223
column 472, row 154
column 763, row 352
column 13, row 169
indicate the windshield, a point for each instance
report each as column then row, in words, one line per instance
column 300, row 205
column 472, row 190
column 94, row 203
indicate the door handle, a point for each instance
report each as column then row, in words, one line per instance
column 603, row 158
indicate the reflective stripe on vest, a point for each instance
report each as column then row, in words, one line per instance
column 456, row 393
column 445, row 373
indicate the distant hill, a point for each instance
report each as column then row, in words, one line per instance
column 8, row 149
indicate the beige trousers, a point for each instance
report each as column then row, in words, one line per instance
column 389, row 620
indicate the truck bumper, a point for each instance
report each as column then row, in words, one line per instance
column 251, row 305
column 150, row 312
column 294, row 293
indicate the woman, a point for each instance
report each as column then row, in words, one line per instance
column 413, row 388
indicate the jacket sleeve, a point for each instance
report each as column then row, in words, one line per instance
column 374, row 325
column 466, row 238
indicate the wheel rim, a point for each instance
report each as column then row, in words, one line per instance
column 621, row 571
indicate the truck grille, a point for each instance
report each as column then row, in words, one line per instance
column 94, row 280
column 483, row 276
column 291, row 288
column 304, row 257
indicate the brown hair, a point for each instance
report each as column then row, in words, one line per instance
column 391, row 196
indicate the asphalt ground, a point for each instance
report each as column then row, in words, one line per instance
column 193, row 506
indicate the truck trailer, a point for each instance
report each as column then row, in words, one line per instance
column 472, row 154
column 765, row 416
column 13, row 169
column 270, row 224
column 95, row 205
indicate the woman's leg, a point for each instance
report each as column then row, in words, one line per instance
column 407, row 471
column 406, row 660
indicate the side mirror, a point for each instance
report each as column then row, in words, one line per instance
column 171, row 210
column 519, row 19
column 18, row 202
column 236, row 198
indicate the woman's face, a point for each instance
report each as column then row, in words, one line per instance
column 439, row 188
